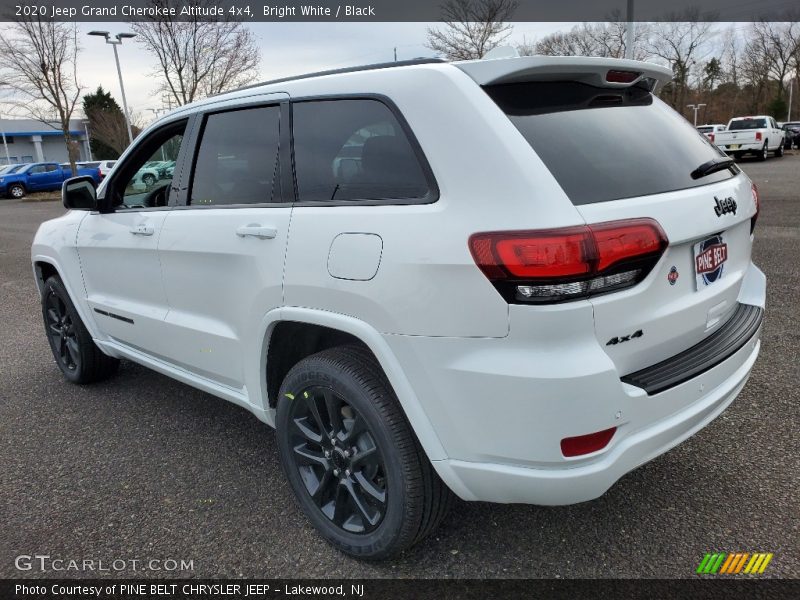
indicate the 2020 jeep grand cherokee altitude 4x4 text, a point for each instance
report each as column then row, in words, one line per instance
column 422, row 283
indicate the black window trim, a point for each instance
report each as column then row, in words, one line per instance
column 197, row 138
column 136, row 152
column 433, row 188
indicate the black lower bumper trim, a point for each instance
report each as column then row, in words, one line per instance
column 713, row 350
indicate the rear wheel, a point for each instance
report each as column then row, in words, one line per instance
column 738, row 155
column 779, row 151
column 355, row 466
column 75, row 352
column 764, row 154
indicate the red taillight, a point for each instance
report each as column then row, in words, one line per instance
column 586, row 444
column 754, row 191
column 558, row 253
column 622, row 76
column 574, row 262
column 710, row 137
column 758, row 136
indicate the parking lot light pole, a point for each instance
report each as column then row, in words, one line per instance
column 114, row 43
column 3, row 133
column 696, row 108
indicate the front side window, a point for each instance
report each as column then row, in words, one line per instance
column 137, row 184
column 237, row 162
column 350, row 150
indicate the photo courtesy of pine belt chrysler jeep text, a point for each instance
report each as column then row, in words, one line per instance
column 422, row 282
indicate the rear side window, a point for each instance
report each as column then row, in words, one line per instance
column 351, row 150
column 606, row 144
column 237, row 162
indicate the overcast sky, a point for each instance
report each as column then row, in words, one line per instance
column 286, row 49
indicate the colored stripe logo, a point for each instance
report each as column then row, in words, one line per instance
column 731, row 563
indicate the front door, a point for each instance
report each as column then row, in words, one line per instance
column 118, row 249
column 222, row 252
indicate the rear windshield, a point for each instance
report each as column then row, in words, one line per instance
column 705, row 129
column 748, row 124
column 606, row 144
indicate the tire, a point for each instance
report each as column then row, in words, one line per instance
column 738, row 155
column 148, row 180
column 16, row 191
column 75, row 352
column 385, row 470
column 779, row 151
column 764, row 154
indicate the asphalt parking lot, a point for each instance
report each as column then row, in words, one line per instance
column 142, row 467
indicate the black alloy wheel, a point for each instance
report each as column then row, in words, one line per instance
column 357, row 470
column 338, row 460
column 74, row 350
column 62, row 332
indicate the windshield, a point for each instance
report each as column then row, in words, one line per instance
column 612, row 158
column 748, row 124
column 705, row 129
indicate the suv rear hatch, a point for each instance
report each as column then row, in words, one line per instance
column 619, row 153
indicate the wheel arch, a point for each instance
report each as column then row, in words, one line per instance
column 46, row 266
column 331, row 328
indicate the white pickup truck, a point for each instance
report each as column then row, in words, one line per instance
column 758, row 135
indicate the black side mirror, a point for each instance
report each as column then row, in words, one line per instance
column 78, row 193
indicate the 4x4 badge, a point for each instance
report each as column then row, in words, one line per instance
column 726, row 205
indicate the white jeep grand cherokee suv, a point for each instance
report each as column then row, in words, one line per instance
column 423, row 282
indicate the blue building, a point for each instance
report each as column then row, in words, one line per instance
column 27, row 140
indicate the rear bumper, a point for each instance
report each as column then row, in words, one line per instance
column 501, row 406
column 512, row 484
column 751, row 147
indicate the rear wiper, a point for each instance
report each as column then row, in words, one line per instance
column 712, row 166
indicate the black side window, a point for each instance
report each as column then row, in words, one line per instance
column 354, row 150
column 237, row 162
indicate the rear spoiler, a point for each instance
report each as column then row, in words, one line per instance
column 590, row 70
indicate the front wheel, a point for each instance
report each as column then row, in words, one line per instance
column 75, row 352
column 354, row 464
column 149, row 180
column 16, row 191
column 779, row 151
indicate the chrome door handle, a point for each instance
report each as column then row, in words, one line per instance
column 257, row 231
column 142, row 230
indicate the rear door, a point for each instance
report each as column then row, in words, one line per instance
column 611, row 173
column 222, row 249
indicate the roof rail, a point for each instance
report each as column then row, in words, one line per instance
column 373, row 67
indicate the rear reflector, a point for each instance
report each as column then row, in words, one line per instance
column 574, row 262
column 622, row 76
column 586, row 444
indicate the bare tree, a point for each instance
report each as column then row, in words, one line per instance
column 199, row 58
column 471, row 28
column 682, row 41
column 778, row 45
column 38, row 60
column 592, row 39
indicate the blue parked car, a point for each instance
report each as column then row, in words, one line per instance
column 39, row 177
